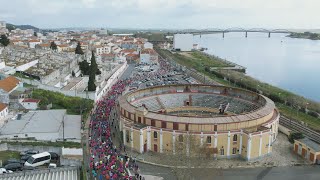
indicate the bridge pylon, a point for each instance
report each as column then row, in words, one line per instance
column 223, row 34
column 246, row 34
column 269, row 35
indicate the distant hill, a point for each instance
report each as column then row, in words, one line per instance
column 23, row 27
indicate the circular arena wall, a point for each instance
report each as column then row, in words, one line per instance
column 228, row 122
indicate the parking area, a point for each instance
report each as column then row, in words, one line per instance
column 174, row 76
column 12, row 161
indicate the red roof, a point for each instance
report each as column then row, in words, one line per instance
column 29, row 100
column 9, row 83
column 34, row 40
column 2, row 106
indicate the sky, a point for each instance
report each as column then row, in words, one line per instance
column 166, row 14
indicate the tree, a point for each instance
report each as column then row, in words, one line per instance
column 73, row 74
column 92, row 73
column 84, row 67
column 53, row 46
column 4, row 40
column 35, row 34
column 78, row 49
column 295, row 135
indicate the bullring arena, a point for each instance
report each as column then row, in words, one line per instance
column 228, row 122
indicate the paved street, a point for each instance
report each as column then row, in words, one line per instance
column 281, row 173
column 127, row 73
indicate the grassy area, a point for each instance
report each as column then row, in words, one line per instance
column 26, row 85
column 22, row 76
column 5, row 155
column 291, row 113
column 238, row 79
column 74, row 105
column 56, row 144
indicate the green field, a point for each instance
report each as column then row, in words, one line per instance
column 238, row 79
column 74, row 105
column 5, row 155
column 291, row 113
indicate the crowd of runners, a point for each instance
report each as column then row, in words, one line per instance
column 107, row 159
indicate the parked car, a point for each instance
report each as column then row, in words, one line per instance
column 9, row 161
column 54, row 156
column 29, row 152
column 24, row 158
column 13, row 167
column 4, row 171
column 52, row 165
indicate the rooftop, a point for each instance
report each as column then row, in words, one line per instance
column 313, row 145
column 9, row 83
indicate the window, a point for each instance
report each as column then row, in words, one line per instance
column 180, row 138
column 215, row 128
column 235, row 137
column 163, row 124
column 209, row 139
column 175, row 126
column 155, row 135
column 139, row 119
column 153, row 123
column 127, row 136
column 234, row 150
column 222, row 151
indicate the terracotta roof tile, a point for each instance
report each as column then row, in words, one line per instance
column 2, row 106
column 9, row 83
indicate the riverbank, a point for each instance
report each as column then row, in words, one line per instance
column 305, row 35
column 293, row 106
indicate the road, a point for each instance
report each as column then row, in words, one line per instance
column 281, row 173
column 127, row 73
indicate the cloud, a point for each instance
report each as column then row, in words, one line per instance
column 163, row 13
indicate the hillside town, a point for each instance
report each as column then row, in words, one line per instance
column 58, row 62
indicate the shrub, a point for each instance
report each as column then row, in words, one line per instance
column 314, row 114
column 295, row 135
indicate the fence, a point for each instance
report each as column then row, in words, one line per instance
column 39, row 171
column 59, row 150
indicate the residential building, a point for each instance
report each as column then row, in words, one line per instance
column 148, row 56
column 10, row 83
column 31, row 104
column 307, row 149
column 3, row 110
column 148, row 45
column 44, row 125
column 107, row 57
column 34, row 42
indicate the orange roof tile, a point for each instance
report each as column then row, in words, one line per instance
column 2, row 106
column 9, row 83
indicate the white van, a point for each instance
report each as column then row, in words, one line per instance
column 38, row 159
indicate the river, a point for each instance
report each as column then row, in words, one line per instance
column 291, row 64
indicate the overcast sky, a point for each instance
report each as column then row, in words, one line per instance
column 163, row 13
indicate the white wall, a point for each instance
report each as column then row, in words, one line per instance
column 72, row 151
column 30, row 105
column 148, row 45
column 27, row 65
column 184, row 42
column 111, row 81
column 2, row 65
column 4, row 113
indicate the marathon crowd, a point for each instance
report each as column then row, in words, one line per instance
column 106, row 160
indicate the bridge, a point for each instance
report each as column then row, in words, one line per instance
column 223, row 31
